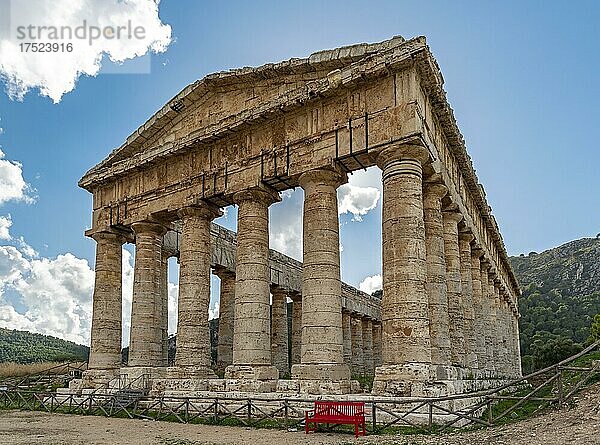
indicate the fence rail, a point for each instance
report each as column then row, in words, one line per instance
column 557, row 385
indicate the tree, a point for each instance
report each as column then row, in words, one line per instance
column 594, row 330
column 548, row 349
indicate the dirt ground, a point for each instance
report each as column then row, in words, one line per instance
column 579, row 425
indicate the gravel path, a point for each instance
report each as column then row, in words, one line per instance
column 579, row 425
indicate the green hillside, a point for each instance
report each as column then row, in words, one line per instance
column 561, row 295
column 26, row 347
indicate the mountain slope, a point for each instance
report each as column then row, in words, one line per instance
column 26, row 347
column 561, row 295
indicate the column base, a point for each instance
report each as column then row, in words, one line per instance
column 95, row 378
column 428, row 380
column 251, row 378
column 190, row 372
column 335, row 372
column 252, row 372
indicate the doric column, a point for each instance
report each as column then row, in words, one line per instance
column 145, row 340
column 252, row 325
column 377, row 344
column 405, row 306
column 164, row 314
column 502, row 326
column 105, row 346
column 347, row 334
column 226, row 308
column 517, row 335
column 480, row 326
column 367, row 337
column 193, row 331
column 494, row 322
column 454, row 287
column 439, row 328
column 279, row 330
column 487, row 316
column 296, row 329
column 464, row 242
column 358, row 360
column 322, row 339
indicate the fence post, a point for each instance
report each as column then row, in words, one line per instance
column 374, row 417
column 249, row 413
column 561, row 396
column 430, row 421
column 216, row 411
column 285, row 412
column 490, row 415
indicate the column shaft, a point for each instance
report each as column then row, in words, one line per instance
column 377, row 344
column 405, row 308
column 252, row 324
column 464, row 240
column 487, row 316
column 454, row 287
column 322, row 339
column 164, row 315
column 358, row 362
column 279, row 331
column 367, row 336
column 105, row 346
column 146, row 344
column 493, row 324
column 439, row 328
column 193, row 331
column 478, row 309
column 347, row 334
column 226, row 315
column 296, row 329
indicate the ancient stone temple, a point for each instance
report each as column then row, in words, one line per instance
column 448, row 318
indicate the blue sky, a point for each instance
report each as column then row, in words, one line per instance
column 522, row 78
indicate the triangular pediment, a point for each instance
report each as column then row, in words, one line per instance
column 217, row 97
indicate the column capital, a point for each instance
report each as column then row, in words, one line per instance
column 452, row 215
column 259, row 194
column 400, row 152
column 433, row 192
column 466, row 237
column 476, row 251
column 109, row 236
column 148, row 227
column 275, row 289
column 325, row 176
column 223, row 272
column 204, row 210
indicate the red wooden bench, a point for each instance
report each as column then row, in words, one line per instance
column 337, row 413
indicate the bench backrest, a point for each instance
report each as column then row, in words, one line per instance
column 339, row 409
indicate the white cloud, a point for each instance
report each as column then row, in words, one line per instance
column 371, row 284
column 285, row 230
column 56, row 294
column 12, row 185
column 173, row 296
column 127, row 271
column 55, row 73
column 357, row 200
column 213, row 310
column 5, row 224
